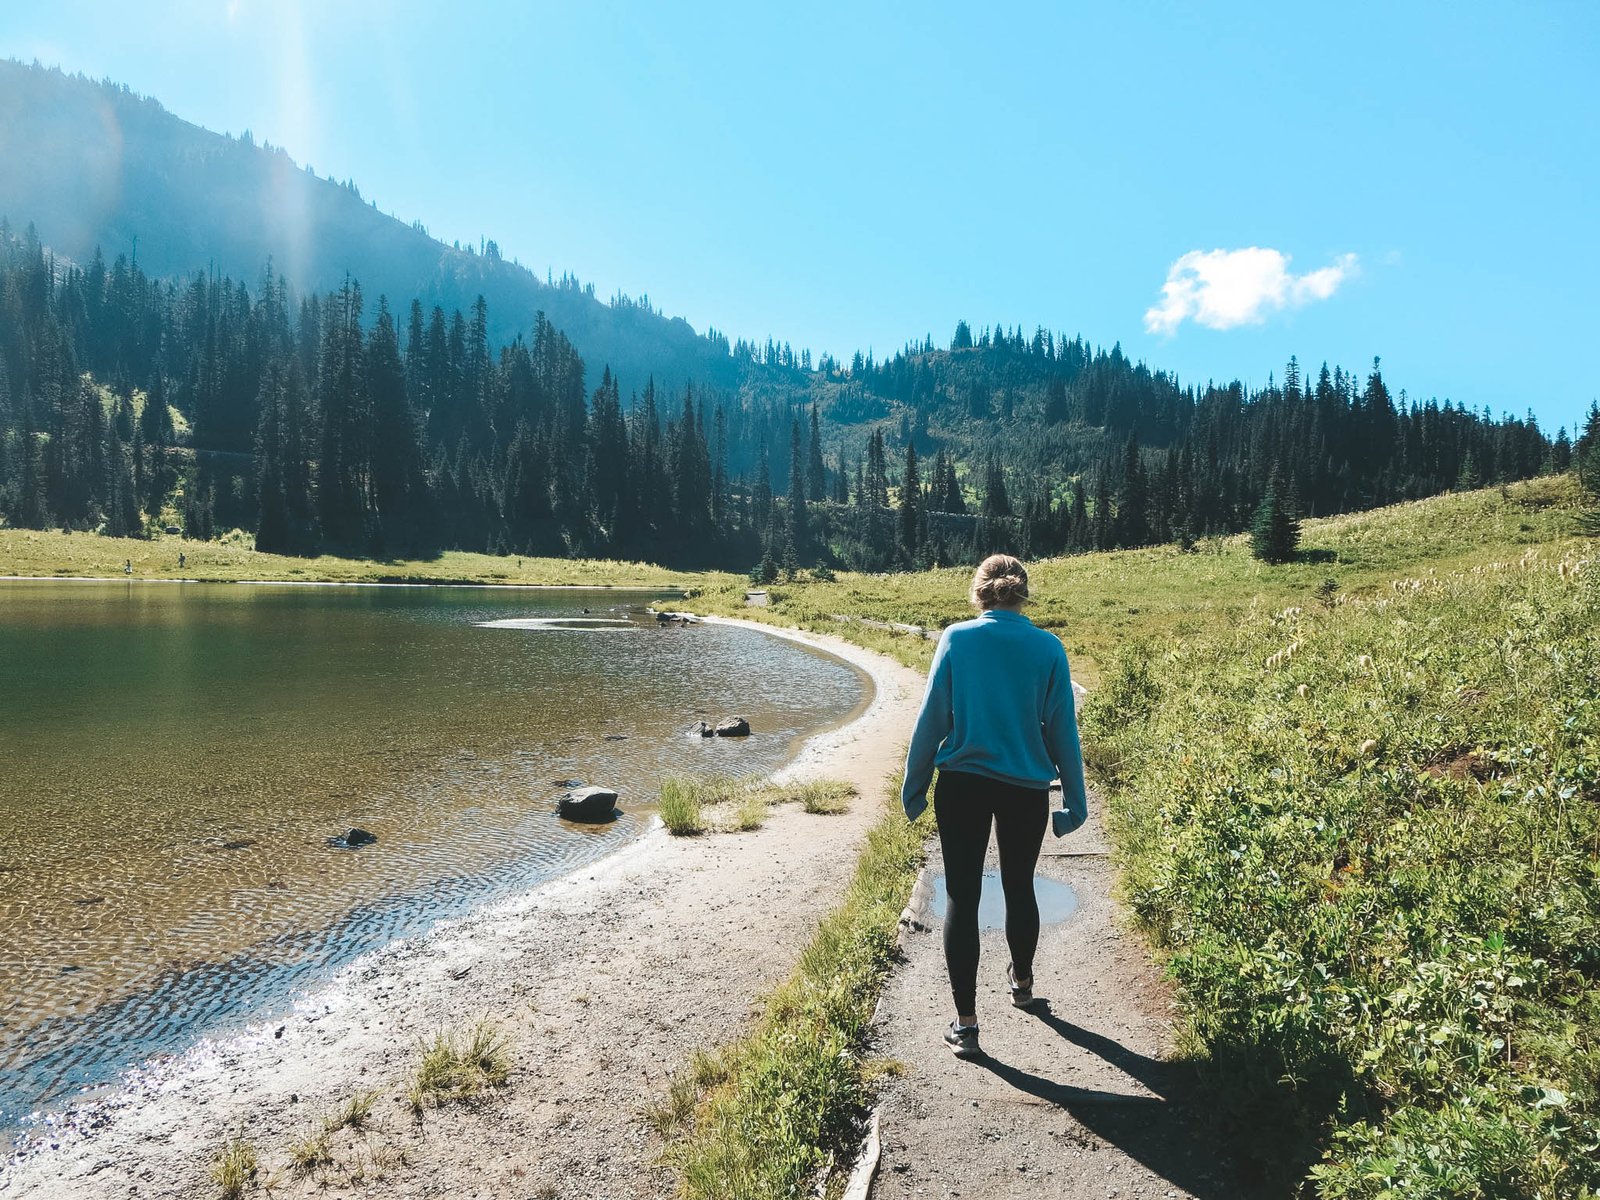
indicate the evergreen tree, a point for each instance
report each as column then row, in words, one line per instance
column 816, row 471
column 1275, row 531
column 910, row 527
column 1132, row 521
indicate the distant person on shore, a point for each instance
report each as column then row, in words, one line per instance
column 127, row 566
column 182, row 559
column 999, row 722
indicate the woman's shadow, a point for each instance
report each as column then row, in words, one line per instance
column 1161, row 1130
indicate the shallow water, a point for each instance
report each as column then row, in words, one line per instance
column 173, row 759
column 1057, row 901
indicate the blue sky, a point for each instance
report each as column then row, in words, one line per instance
column 1215, row 186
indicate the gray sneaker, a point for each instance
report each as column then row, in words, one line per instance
column 962, row 1040
column 1021, row 997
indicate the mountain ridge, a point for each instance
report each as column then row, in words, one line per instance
column 104, row 168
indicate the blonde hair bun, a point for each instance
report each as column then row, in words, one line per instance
column 1000, row 582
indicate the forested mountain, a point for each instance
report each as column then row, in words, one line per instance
column 95, row 166
column 402, row 396
column 128, row 403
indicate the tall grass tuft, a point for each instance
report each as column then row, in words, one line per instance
column 460, row 1065
column 235, row 1168
column 681, row 806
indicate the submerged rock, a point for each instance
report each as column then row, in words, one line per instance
column 351, row 838
column 733, row 727
column 588, row 804
column 676, row 618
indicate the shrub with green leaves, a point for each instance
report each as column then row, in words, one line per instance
column 1367, row 836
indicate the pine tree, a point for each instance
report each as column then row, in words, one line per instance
column 816, row 470
column 910, row 509
column 1055, row 401
column 1132, row 522
column 1275, row 532
column 1586, row 452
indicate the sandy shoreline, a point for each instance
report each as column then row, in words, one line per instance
column 608, row 978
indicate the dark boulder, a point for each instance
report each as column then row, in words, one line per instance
column 351, row 838
column 676, row 618
column 701, row 729
column 588, row 804
column 733, row 727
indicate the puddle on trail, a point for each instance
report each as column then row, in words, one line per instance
column 1057, row 901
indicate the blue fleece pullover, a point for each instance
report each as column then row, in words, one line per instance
column 999, row 704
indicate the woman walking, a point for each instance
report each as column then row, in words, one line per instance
column 999, row 722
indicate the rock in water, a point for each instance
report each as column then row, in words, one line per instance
column 351, row 838
column 588, row 804
column 701, row 729
column 733, row 727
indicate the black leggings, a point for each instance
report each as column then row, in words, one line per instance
column 964, row 806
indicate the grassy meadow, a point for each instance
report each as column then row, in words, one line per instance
column 50, row 553
column 1098, row 602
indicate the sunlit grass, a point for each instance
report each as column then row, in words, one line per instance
column 1370, row 863
column 459, row 1065
column 1098, row 602
column 50, row 553
column 234, row 1169
column 694, row 804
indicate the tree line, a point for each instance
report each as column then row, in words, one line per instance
column 331, row 423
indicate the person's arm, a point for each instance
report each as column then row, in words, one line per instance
column 1061, row 740
column 933, row 726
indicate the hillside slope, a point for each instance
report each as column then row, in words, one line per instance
column 92, row 165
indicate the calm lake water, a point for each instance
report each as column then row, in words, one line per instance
column 173, row 758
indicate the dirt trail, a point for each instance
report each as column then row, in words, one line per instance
column 608, row 978
column 1073, row 1100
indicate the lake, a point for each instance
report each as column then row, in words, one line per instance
column 174, row 758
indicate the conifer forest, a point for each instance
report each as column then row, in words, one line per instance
column 383, row 426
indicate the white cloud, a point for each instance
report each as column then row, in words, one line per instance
column 1224, row 288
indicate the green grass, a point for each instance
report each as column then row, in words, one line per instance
column 750, row 812
column 696, row 804
column 1098, row 602
column 674, row 1112
column 681, row 806
column 234, row 1169
column 786, row 1101
column 354, row 1113
column 823, row 796
column 460, row 1065
column 50, row 553
column 312, row 1150
column 1373, row 865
